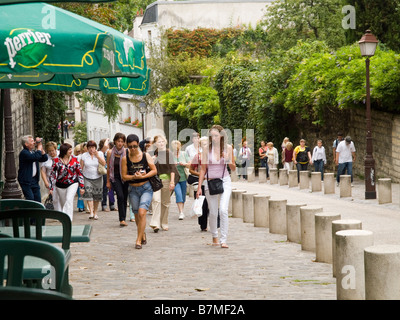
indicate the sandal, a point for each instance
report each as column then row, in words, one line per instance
column 95, row 217
column 144, row 240
column 91, row 216
column 138, row 246
column 224, row 245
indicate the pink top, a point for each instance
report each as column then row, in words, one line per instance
column 216, row 169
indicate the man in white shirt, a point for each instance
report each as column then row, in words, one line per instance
column 345, row 156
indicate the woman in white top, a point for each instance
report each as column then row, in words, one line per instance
column 219, row 155
column 319, row 158
column 272, row 154
column 46, row 167
column 93, row 179
column 244, row 158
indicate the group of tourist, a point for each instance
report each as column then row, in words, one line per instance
column 301, row 157
column 130, row 169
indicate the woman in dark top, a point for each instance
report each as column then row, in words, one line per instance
column 114, row 179
column 137, row 168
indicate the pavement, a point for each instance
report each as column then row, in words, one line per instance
column 181, row 264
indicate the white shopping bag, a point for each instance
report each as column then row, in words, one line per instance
column 197, row 207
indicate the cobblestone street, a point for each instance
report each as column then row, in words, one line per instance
column 181, row 264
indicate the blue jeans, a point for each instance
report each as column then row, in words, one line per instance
column 180, row 192
column 319, row 167
column 140, row 197
column 342, row 168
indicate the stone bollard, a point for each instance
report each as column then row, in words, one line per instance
column 339, row 225
column 329, row 183
column 262, row 175
column 382, row 277
column 248, row 207
column 293, row 180
column 273, row 176
column 304, row 180
column 384, row 190
column 316, row 184
column 293, row 226
column 251, row 175
column 345, row 186
column 323, row 236
column 283, row 177
column 230, row 203
column 261, row 211
column 234, row 176
column 237, row 203
column 350, row 277
column 277, row 216
column 307, row 224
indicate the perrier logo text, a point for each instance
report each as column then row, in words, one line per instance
column 24, row 39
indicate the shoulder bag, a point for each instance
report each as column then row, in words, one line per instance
column 155, row 181
column 215, row 186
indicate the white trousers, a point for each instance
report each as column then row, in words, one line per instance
column 63, row 199
column 219, row 202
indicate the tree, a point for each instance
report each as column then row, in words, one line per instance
column 288, row 21
column 381, row 17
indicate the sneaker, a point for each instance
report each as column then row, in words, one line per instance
column 181, row 216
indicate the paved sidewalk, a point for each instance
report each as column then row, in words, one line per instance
column 181, row 263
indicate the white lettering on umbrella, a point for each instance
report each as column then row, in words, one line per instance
column 21, row 40
column 109, row 55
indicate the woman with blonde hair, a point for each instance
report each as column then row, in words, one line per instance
column 168, row 173
column 219, row 155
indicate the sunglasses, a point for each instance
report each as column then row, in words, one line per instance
column 134, row 147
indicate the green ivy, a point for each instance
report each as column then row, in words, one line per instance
column 193, row 106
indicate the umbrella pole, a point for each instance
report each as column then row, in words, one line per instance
column 1, row 136
column 11, row 188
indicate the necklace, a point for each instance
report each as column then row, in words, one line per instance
column 65, row 162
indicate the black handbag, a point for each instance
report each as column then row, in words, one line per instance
column 156, row 183
column 49, row 202
column 215, row 186
column 192, row 179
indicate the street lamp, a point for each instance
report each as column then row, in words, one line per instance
column 142, row 110
column 368, row 44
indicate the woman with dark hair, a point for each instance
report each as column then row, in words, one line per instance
column 214, row 166
column 114, row 178
column 90, row 161
column 65, row 178
column 137, row 168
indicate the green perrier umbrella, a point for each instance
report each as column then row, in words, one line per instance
column 48, row 48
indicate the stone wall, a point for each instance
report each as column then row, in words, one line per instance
column 386, row 142
column 385, row 134
column 22, row 120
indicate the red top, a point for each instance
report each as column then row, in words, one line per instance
column 288, row 155
column 64, row 175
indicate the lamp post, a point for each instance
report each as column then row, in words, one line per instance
column 142, row 110
column 368, row 44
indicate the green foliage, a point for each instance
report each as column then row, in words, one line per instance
column 288, row 21
column 49, row 108
column 381, row 17
column 194, row 106
column 205, row 42
column 80, row 132
column 326, row 82
column 118, row 14
column 109, row 103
